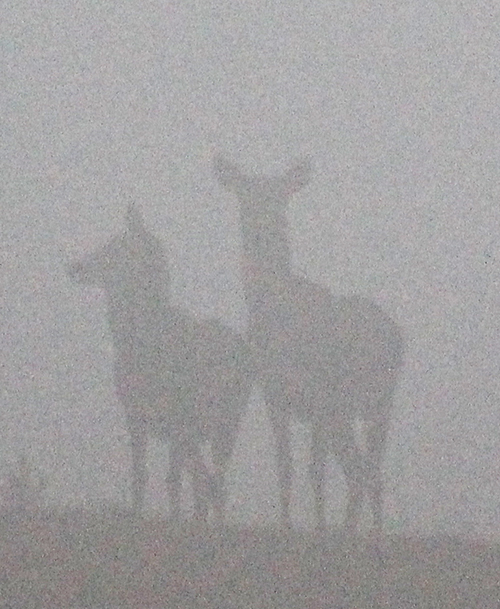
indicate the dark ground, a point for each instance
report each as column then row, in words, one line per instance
column 79, row 559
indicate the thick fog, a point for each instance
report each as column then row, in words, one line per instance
column 397, row 106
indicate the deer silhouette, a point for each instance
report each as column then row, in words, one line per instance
column 180, row 379
column 329, row 362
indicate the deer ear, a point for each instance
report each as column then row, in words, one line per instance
column 228, row 174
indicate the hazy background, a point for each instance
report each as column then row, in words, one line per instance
column 399, row 106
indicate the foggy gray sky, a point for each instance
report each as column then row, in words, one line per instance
column 398, row 105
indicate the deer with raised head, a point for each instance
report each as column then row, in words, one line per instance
column 329, row 362
column 180, row 379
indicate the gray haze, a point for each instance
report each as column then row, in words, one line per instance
column 398, row 106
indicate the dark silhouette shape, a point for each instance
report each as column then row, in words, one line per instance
column 325, row 360
column 23, row 489
column 179, row 379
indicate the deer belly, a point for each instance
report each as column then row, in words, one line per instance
column 154, row 398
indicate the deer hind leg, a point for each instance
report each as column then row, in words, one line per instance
column 233, row 400
column 281, row 428
column 138, row 445
column 204, row 492
column 221, row 432
column 377, row 435
column 352, row 462
column 317, row 466
column 354, row 475
column 174, row 480
column 221, row 455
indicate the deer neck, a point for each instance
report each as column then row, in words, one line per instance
column 135, row 317
column 267, row 292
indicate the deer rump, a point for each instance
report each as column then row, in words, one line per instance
column 185, row 375
column 346, row 346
